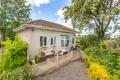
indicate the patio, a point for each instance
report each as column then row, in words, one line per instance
column 73, row 71
column 55, row 63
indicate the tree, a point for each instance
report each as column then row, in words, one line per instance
column 13, row 13
column 97, row 15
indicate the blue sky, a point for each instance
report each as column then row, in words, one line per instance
column 50, row 10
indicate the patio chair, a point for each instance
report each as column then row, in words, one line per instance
column 48, row 53
column 63, row 52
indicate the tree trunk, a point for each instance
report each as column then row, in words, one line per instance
column 101, row 38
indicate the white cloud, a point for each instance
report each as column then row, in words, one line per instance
column 37, row 3
column 60, row 13
column 61, row 20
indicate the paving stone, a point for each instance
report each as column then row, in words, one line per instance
column 72, row 71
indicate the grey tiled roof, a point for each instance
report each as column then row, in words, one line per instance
column 44, row 23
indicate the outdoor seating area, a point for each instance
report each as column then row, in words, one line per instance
column 46, row 54
column 53, row 63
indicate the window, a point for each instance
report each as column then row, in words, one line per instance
column 53, row 41
column 43, row 41
column 73, row 40
column 65, row 41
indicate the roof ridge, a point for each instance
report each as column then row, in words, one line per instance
column 44, row 23
column 48, row 22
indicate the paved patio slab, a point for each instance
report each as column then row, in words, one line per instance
column 72, row 71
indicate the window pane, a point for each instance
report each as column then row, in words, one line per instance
column 67, row 43
column 51, row 41
column 54, row 41
column 73, row 40
column 41, row 40
column 62, row 43
column 45, row 41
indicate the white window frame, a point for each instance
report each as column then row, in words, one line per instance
column 43, row 41
column 64, row 39
column 53, row 41
column 73, row 40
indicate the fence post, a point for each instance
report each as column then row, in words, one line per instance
column 57, row 57
column 71, row 54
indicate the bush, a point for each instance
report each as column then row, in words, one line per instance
column 105, row 44
column 41, row 52
column 37, row 59
column 98, row 72
column 14, row 56
column 22, row 73
column 105, row 57
column 87, row 41
column 40, row 57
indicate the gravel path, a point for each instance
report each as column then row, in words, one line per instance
column 72, row 71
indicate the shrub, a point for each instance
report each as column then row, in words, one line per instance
column 103, row 56
column 88, row 60
column 40, row 57
column 105, row 44
column 22, row 73
column 37, row 59
column 41, row 52
column 109, row 58
column 87, row 41
column 98, row 72
column 14, row 56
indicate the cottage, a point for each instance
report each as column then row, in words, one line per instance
column 48, row 35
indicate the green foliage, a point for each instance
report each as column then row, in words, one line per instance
column 37, row 59
column 14, row 56
column 40, row 57
column 95, row 15
column 87, row 41
column 105, row 44
column 41, row 52
column 105, row 57
column 22, row 73
column 13, row 13
column 117, row 41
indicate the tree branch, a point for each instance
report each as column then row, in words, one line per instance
column 109, row 21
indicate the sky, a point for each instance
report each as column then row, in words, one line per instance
column 50, row 10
